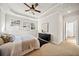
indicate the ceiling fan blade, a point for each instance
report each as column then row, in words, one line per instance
column 27, row 10
column 36, row 4
column 38, row 11
column 27, row 5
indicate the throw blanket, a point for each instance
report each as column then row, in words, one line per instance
column 16, row 48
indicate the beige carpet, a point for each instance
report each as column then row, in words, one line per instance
column 66, row 48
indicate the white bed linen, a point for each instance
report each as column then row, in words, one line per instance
column 19, row 46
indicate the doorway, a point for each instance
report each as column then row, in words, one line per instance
column 71, row 28
column 71, row 31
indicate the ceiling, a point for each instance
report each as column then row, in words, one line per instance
column 20, row 8
column 45, row 8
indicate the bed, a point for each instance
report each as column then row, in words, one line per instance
column 20, row 46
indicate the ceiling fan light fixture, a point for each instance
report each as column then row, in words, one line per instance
column 32, row 8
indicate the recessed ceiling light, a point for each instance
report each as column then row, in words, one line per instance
column 69, row 11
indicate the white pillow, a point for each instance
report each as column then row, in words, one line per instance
column 17, row 38
column 27, row 37
column 1, row 41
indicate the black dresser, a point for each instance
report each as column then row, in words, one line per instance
column 44, row 38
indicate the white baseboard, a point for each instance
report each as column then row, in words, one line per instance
column 56, row 42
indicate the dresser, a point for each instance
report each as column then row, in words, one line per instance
column 44, row 38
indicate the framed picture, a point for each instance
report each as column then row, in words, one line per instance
column 12, row 23
column 32, row 26
column 15, row 22
column 25, row 26
column 45, row 27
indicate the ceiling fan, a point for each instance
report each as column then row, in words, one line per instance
column 32, row 8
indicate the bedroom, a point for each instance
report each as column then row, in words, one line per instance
column 33, row 29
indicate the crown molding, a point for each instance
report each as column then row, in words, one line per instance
column 49, row 10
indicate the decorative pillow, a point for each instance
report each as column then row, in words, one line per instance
column 11, row 37
column 7, row 37
column 1, row 41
